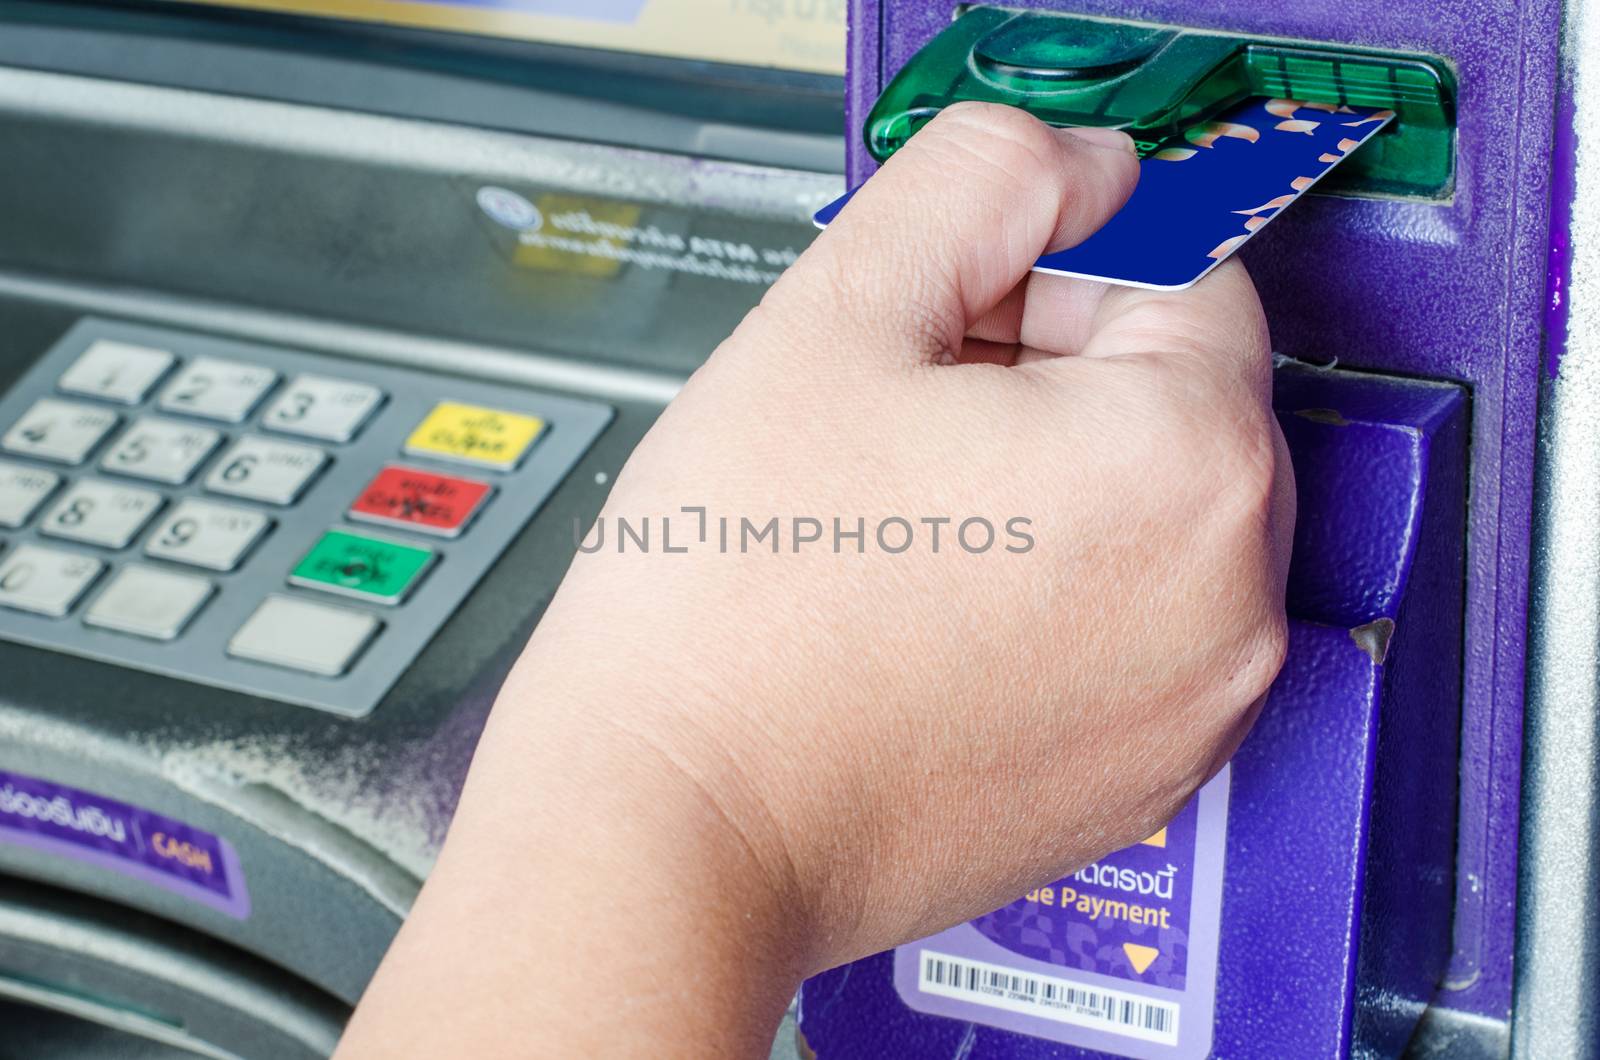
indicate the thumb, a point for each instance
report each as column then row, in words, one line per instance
column 950, row 225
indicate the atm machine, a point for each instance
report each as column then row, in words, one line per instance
column 327, row 323
column 319, row 339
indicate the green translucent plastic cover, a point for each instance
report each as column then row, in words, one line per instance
column 1154, row 81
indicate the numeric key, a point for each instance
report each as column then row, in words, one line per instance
column 315, row 406
column 261, row 469
column 45, row 581
column 217, row 390
column 116, row 371
column 160, row 450
column 101, row 513
column 207, row 534
column 64, row 432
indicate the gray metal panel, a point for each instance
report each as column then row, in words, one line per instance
column 240, row 68
column 353, row 236
column 1555, row 1016
column 370, row 220
column 336, row 820
column 143, row 982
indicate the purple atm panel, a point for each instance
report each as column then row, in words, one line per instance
column 1333, row 858
column 1444, row 290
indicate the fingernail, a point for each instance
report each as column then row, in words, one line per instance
column 1115, row 139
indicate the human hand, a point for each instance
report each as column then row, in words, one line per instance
column 808, row 755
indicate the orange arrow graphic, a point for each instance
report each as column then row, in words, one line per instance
column 1140, row 956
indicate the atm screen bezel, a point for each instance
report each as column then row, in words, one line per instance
column 784, row 117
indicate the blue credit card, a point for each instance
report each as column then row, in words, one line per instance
column 1203, row 193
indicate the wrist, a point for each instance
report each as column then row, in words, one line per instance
column 584, row 847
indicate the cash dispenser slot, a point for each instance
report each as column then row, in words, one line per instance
column 1155, row 81
column 1337, row 869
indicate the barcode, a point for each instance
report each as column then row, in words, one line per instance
column 1049, row 997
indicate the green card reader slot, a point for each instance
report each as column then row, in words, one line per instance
column 1154, row 81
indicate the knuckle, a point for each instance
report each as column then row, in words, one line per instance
column 1247, row 653
column 1222, row 485
column 1006, row 144
column 1245, row 471
column 1270, row 648
column 1245, row 572
column 1224, row 456
column 814, row 305
column 1250, row 657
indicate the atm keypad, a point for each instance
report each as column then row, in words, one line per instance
column 256, row 518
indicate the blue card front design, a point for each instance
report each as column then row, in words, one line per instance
column 1203, row 193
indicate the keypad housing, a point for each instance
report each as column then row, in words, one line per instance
column 296, row 516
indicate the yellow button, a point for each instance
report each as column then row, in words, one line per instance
column 472, row 434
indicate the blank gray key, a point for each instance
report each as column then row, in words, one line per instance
column 301, row 635
column 149, row 602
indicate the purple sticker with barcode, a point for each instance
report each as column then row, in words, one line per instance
column 1120, row 957
column 90, row 828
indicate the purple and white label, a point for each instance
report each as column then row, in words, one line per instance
column 114, row 835
column 1120, row 957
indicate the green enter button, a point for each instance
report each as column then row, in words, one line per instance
column 367, row 568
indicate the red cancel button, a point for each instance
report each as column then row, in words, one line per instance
column 420, row 500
